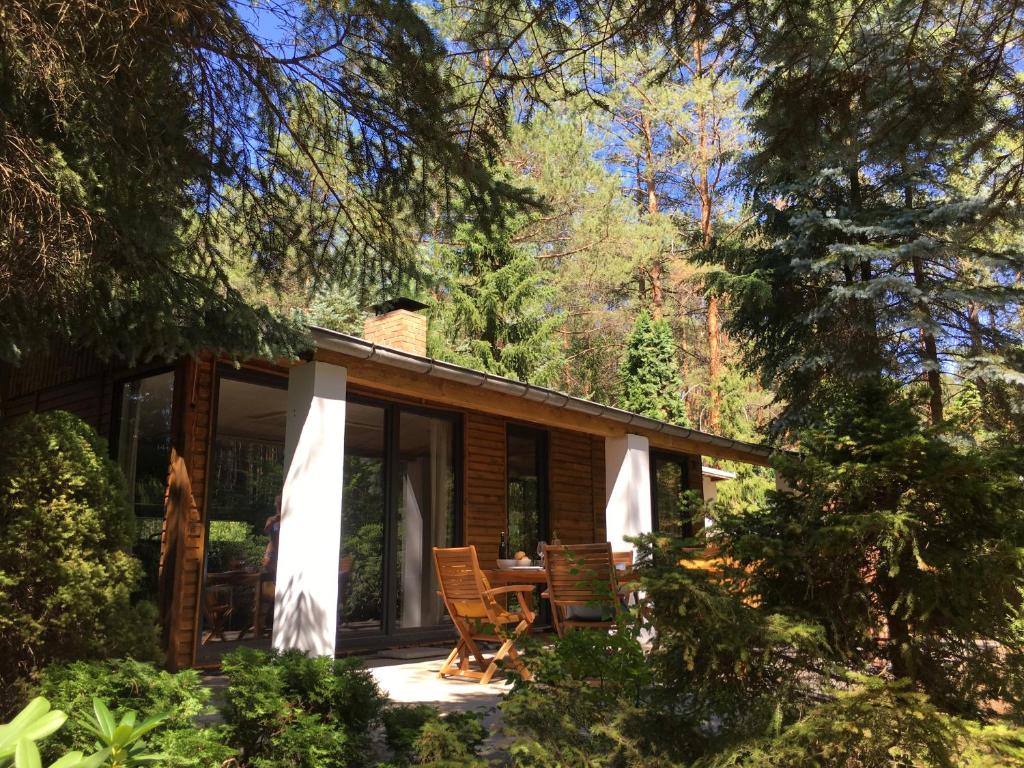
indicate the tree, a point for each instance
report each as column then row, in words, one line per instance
column 491, row 310
column 144, row 146
column 854, row 300
column 859, row 180
column 650, row 373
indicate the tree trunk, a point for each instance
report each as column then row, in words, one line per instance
column 706, row 201
column 930, row 351
column 651, row 188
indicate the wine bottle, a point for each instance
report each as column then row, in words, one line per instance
column 503, row 548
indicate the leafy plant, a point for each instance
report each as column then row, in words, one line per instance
column 34, row 723
column 121, row 741
column 142, row 687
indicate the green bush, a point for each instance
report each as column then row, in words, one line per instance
column 290, row 710
column 233, row 544
column 132, row 685
column 418, row 734
column 878, row 723
column 66, row 572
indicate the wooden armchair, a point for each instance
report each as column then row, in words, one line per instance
column 479, row 615
column 581, row 587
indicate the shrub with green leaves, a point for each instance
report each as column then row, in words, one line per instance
column 418, row 734
column 66, row 531
column 904, row 541
column 287, row 709
column 877, row 723
column 141, row 687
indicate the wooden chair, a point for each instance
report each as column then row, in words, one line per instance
column 581, row 579
column 217, row 609
column 479, row 616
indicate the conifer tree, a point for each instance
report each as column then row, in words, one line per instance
column 491, row 310
column 853, row 299
column 651, row 385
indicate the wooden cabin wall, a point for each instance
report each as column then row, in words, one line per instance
column 68, row 379
column 576, row 497
column 484, row 496
column 576, row 487
column 195, row 403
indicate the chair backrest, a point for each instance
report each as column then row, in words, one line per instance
column 461, row 581
column 580, row 574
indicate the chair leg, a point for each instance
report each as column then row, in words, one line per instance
column 456, row 652
column 493, row 666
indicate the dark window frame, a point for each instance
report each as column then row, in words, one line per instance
column 392, row 415
column 542, row 440
column 682, row 460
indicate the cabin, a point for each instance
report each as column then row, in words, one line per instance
column 295, row 503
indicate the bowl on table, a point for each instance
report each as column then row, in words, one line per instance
column 507, row 564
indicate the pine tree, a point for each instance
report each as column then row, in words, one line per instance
column 651, row 385
column 146, row 147
column 491, row 310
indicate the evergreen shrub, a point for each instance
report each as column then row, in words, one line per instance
column 66, row 572
column 287, row 709
column 419, row 735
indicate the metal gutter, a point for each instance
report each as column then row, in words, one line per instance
column 366, row 350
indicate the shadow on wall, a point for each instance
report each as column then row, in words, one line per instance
column 300, row 621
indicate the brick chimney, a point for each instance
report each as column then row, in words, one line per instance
column 398, row 324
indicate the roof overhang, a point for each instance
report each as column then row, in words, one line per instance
column 716, row 475
column 361, row 349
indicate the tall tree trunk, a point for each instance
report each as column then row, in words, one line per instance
column 651, row 189
column 930, row 351
column 706, row 203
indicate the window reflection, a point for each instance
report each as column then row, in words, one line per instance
column 143, row 452
column 243, row 517
column 361, row 568
column 426, row 514
column 527, row 483
column 671, row 483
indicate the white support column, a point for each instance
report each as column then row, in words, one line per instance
column 628, row 484
column 306, row 600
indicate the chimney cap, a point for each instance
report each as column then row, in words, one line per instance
column 399, row 302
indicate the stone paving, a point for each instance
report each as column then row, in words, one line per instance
column 416, row 682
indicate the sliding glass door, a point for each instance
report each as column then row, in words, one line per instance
column 400, row 501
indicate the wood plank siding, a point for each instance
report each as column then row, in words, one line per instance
column 67, row 379
column 196, row 422
column 576, row 487
column 484, row 497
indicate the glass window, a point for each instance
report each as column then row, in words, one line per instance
column 364, row 514
column 143, row 452
column 243, row 516
column 527, row 489
column 398, row 503
column 669, row 486
column 426, row 514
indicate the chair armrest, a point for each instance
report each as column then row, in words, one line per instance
column 509, row 589
column 521, row 590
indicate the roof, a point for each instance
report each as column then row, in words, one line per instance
column 715, row 475
column 427, row 366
